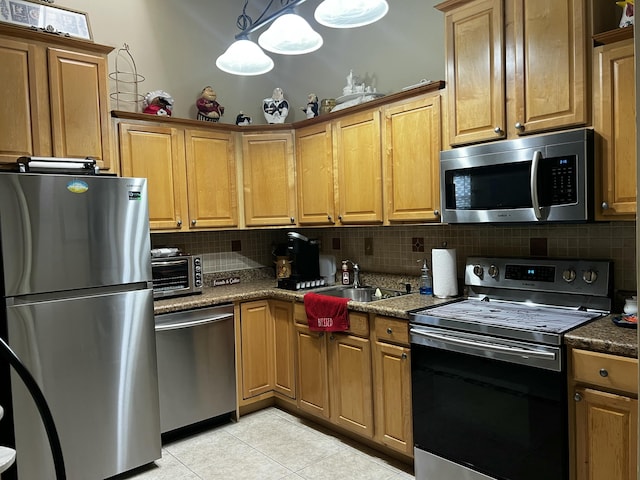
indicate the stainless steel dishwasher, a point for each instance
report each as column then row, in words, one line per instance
column 196, row 365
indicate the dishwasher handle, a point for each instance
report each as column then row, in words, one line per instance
column 176, row 325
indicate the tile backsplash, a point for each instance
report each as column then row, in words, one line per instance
column 398, row 249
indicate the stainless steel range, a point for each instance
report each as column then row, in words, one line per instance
column 489, row 371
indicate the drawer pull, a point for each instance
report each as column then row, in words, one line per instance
column 389, row 331
column 404, row 356
column 577, row 397
column 604, row 373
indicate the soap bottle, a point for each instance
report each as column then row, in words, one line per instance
column 345, row 273
column 426, row 287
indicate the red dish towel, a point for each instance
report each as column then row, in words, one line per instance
column 325, row 313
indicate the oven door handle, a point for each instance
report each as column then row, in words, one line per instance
column 168, row 262
column 533, row 182
column 472, row 344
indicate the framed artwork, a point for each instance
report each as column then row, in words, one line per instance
column 45, row 16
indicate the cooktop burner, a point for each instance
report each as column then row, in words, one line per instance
column 526, row 299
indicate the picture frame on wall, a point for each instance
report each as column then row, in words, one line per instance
column 44, row 16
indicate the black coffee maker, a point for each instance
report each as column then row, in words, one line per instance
column 304, row 254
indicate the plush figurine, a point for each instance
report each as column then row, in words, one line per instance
column 627, row 12
column 275, row 108
column 312, row 106
column 242, row 119
column 158, row 103
column 208, row 109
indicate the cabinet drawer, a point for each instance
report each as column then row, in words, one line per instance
column 392, row 330
column 609, row 371
column 358, row 322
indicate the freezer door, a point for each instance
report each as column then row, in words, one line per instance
column 63, row 232
column 94, row 358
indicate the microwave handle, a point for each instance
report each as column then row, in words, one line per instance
column 537, row 155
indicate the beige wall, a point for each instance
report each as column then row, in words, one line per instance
column 175, row 44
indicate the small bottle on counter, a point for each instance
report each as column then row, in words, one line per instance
column 345, row 273
column 426, row 287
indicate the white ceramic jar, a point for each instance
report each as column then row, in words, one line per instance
column 631, row 305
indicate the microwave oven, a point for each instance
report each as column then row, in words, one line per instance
column 177, row 275
column 542, row 178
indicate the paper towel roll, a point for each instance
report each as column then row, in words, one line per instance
column 443, row 265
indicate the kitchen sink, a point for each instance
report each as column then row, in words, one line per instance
column 360, row 294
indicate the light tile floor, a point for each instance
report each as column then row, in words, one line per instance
column 270, row 444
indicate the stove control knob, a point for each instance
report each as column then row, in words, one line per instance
column 589, row 276
column 493, row 271
column 569, row 275
column 478, row 271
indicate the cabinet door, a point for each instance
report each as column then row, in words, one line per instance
column 550, row 65
column 312, row 374
column 475, row 72
column 157, row 154
column 79, row 105
column 412, row 160
column 606, row 436
column 256, row 344
column 269, row 179
column 211, row 179
column 351, row 383
column 358, row 152
column 392, row 366
column 315, row 175
column 614, row 119
column 284, row 367
column 24, row 112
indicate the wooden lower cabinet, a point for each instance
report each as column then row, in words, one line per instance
column 606, row 435
column 392, row 381
column 605, row 415
column 335, row 373
column 266, row 349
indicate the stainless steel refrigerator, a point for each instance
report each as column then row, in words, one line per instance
column 77, row 308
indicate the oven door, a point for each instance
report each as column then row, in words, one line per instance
column 475, row 416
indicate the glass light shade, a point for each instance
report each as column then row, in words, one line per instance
column 290, row 34
column 350, row 13
column 244, row 57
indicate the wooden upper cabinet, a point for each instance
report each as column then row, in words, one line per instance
column 412, row 144
column 515, row 67
column 79, row 105
column 548, row 65
column 156, row 152
column 614, row 112
column 59, row 100
column 211, row 179
column 268, row 179
column 474, row 51
column 315, row 175
column 357, row 149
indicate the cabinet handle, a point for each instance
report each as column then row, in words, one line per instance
column 403, row 356
column 193, row 222
column 577, row 397
column 293, row 220
column 498, row 130
column 603, row 372
column 329, row 218
column 179, row 223
column 340, row 217
column 605, row 206
column 436, row 213
column 389, row 331
column 519, row 126
column 332, row 338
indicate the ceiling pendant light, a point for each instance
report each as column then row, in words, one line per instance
column 243, row 57
column 290, row 34
column 350, row 13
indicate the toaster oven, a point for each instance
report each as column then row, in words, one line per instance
column 176, row 276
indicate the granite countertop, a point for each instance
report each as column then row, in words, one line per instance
column 394, row 307
column 600, row 335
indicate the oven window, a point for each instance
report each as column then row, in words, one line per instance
column 505, row 420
